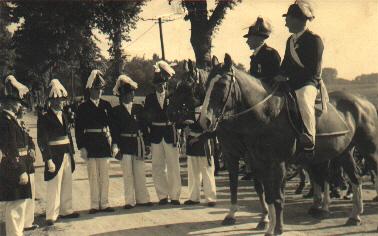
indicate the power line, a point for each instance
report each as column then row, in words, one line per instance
column 141, row 35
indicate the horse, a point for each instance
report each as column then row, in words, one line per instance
column 239, row 105
column 190, row 93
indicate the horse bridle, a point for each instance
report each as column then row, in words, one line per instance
column 223, row 116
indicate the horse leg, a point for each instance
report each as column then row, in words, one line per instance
column 317, row 181
column 326, row 200
column 264, row 220
column 302, row 183
column 274, row 190
column 233, row 170
column 349, row 166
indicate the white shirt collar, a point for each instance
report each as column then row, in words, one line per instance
column 11, row 113
column 297, row 35
column 96, row 102
column 258, row 49
column 128, row 106
column 160, row 94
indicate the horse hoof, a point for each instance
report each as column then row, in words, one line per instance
column 229, row 221
column 353, row 222
column 262, row 225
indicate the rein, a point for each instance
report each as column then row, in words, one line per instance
column 224, row 116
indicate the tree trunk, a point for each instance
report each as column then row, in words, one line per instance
column 117, row 50
column 201, row 43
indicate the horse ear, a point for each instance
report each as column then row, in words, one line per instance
column 227, row 62
column 214, row 61
column 190, row 65
column 185, row 65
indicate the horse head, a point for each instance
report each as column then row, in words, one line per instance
column 188, row 94
column 221, row 95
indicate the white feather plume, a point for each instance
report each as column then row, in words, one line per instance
column 22, row 89
column 163, row 65
column 91, row 78
column 306, row 8
column 57, row 90
column 124, row 79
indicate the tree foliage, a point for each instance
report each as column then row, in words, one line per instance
column 6, row 53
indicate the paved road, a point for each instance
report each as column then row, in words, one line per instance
column 198, row 220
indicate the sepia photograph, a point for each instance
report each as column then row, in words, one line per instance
column 188, row 117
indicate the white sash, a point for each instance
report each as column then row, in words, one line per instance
column 294, row 53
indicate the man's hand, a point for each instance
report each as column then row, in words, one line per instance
column 24, row 178
column 84, row 153
column 51, row 166
column 32, row 154
column 280, row 78
column 115, row 150
column 148, row 150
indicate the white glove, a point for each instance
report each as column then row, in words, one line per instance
column 84, row 153
column 51, row 166
column 24, row 178
column 115, row 150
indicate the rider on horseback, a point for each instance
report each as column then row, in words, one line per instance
column 265, row 61
column 301, row 68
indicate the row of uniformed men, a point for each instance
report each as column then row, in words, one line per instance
column 101, row 132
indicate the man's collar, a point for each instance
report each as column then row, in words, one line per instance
column 96, row 102
column 56, row 112
column 256, row 51
column 11, row 113
column 160, row 94
column 296, row 36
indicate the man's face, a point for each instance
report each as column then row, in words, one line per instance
column 255, row 41
column 294, row 24
column 57, row 104
column 160, row 88
column 95, row 93
column 127, row 98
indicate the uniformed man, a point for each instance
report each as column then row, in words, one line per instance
column 15, row 186
column 127, row 130
column 163, row 138
column 301, row 67
column 265, row 61
column 200, row 163
column 55, row 142
column 94, row 141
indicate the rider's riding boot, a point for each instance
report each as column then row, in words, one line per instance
column 306, row 155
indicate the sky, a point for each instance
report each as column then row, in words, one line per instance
column 349, row 29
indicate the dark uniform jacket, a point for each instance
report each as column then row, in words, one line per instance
column 309, row 48
column 29, row 159
column 90, row 117
column 154, row 114
column 265, row 65
column 128, row 130
column 49, row 130
column 14, row 146
column 201, row 148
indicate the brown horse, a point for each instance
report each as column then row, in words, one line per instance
column 239, row 105
column 190, row 93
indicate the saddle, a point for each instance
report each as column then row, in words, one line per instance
column 329, row 121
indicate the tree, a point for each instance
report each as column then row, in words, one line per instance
column 116, row 19
column 54, row 35
column 6, row 53
column 204, row 25
column 329, row 75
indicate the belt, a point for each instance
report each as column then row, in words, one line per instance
column 141, row 145
column 60, row 141
column 161, row 123
column 22, row 151
column 129, row 135
column 103, row 130
column 194, row 134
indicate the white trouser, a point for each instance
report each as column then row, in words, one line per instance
column 306, row 97
column 98, row 175
column 15, row 217
column 166, row 170
column 59, row 191
column 30, row 204
column 198, row 170
column 134, row 179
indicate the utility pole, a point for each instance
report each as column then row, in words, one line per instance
column 161, row 38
